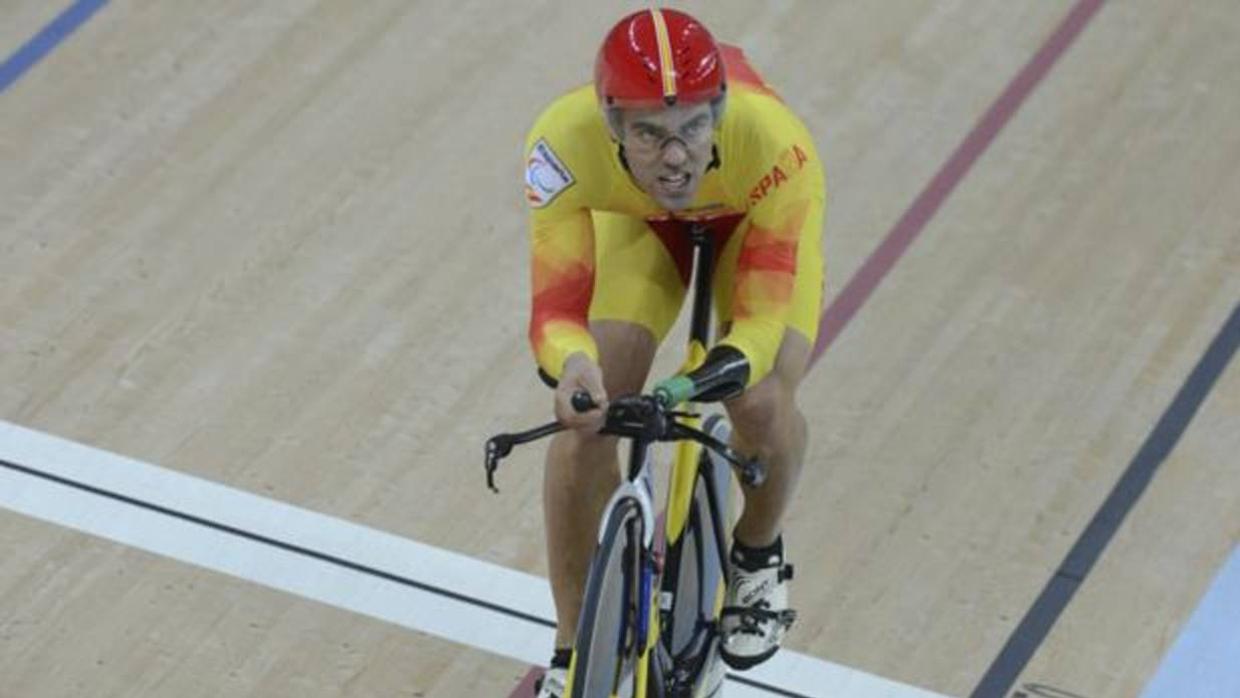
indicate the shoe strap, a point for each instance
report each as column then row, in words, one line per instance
column 751, row 617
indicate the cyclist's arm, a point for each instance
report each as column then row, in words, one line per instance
column 561, row 236
column 765, row 276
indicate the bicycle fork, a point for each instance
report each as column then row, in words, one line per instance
column 639, row 488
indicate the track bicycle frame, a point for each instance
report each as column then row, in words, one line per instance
column 687, row 464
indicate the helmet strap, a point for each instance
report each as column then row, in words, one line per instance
column 717, row 108
column 615, row 121
column 714, row 158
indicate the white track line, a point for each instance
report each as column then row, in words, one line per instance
column 322, row 580
column 1202, row 662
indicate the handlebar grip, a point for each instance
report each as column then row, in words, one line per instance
column 582, row 402
column 675, row 390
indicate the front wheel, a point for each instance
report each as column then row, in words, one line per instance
column 605, row 657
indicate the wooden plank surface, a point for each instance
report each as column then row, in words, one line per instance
column 281, row 246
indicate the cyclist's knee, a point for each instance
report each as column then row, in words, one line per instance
column 761, row 408
column 772, row 401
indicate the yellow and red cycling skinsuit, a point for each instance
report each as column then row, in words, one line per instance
column 602, row 249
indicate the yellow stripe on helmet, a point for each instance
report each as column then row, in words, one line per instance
column 665, row 54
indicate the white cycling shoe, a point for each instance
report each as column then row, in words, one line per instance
column 551, row 685
column 755, row 612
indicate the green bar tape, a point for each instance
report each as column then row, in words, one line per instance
column 674, row 390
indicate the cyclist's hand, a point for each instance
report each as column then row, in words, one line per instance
column 581, row 373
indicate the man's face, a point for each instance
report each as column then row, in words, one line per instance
column 668, row 150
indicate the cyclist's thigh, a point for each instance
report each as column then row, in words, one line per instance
column 806, row 308
column 626, row 352
column 636, row 280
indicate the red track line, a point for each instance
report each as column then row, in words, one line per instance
column 525, row 689
column 914, row 220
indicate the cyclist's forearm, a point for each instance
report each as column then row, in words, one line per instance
column 766, row 272
column 758, row 337
column 562, row 285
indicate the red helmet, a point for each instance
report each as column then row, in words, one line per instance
column 658, row 57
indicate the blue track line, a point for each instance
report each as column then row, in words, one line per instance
column 16, row 65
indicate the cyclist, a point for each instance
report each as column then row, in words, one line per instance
column 676, row 129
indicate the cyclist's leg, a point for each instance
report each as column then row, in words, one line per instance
column 768, row 424
column 637, row 294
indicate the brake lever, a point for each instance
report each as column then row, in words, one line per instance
column 497, row 448
column 500, row 445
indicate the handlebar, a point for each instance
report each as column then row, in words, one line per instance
column 646, row 417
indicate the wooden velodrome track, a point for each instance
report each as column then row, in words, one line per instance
column 280, row 247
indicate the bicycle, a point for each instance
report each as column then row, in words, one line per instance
column 627, row 645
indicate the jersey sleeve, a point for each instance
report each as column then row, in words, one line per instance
column 561, row 236
column 784, row 185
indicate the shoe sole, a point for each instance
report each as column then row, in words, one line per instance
column 741, row 663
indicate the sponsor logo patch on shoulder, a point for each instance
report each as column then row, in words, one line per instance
column 545, row 175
